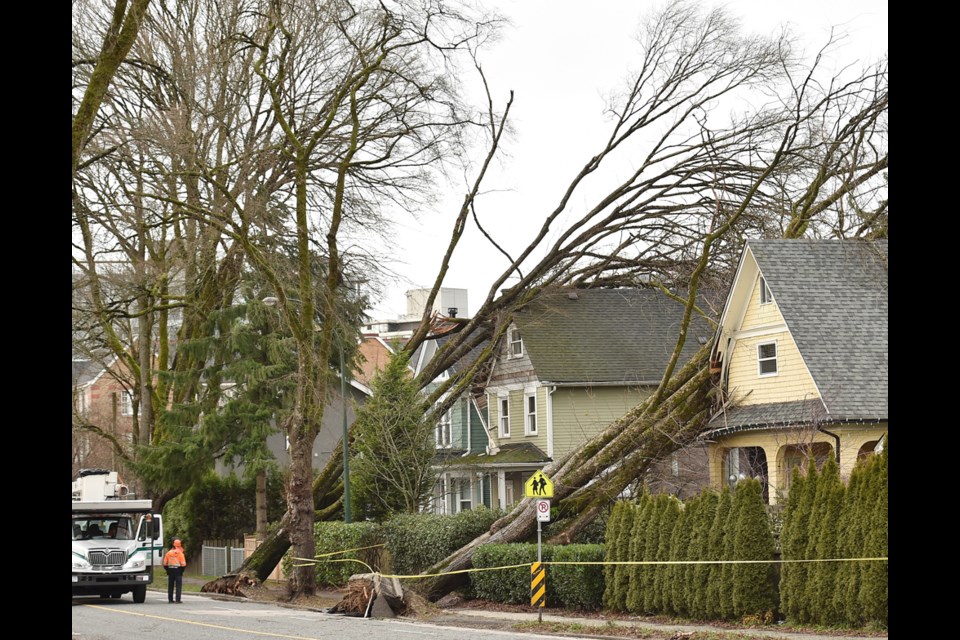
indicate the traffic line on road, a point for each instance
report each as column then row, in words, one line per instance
column 198, row 624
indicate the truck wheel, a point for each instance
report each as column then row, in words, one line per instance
column 140, row 594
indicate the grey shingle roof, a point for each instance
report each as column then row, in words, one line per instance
column 769, row 414
column 616, row 336
column 833, row 297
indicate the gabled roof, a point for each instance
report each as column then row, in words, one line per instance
column 428, row 349
column 85, row 371
column 611, row 336
column 832, row 295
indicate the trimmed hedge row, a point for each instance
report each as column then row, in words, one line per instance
column 418, row 541
column 571, row 586
column 825, row 519
column 413, row 542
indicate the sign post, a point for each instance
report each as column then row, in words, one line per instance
column 539, row 486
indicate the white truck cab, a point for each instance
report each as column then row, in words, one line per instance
column 116, row 540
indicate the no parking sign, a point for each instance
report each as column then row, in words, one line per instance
column 543, row 511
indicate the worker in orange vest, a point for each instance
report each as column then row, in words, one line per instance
column 175, row 562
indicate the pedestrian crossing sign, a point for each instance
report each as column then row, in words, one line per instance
column 538, row 486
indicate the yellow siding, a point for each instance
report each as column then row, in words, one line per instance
column 759, row 315
column 792, row 382
column 579, row 413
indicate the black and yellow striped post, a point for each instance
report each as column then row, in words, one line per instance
column 538, row 587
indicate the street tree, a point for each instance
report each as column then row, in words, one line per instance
column 393, row 448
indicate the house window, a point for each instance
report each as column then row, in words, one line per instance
column 443, row 431
column 516, row 344
column 82, row 402
column 530, row 406
column 767, row 358
column 504, row 417
column 465, row 497
column 126, row 403
column 765, row 296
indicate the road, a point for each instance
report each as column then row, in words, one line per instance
column 203, row 618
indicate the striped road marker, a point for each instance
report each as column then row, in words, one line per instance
column 538, row 585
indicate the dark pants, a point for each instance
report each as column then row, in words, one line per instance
column 174, row 577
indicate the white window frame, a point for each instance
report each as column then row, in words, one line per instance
column 461, row 481
column 503, row 418
column 443, row 431
column 82, row 403
column 126, row 403
column 514, row 338
column 527, row 415
column 761, row 359
column 766, row 297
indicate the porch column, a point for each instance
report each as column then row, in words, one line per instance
column 502, row 490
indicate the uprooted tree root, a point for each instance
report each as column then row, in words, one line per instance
column 234, row 584
column 356, row 598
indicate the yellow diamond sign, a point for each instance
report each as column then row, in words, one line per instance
column 538, row 486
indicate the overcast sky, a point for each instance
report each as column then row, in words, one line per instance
column 560, row 58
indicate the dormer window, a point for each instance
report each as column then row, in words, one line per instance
column 516, row 344
column 765, row 296
column 767, row 359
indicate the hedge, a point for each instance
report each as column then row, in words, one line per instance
column 571, row 586
column 339, row 536
column 417, row 541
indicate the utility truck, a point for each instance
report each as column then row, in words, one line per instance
column 117, row 540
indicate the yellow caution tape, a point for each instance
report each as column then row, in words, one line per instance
column 450, row 573
column 335, row 553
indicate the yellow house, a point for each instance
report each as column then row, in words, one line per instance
column 801, row 351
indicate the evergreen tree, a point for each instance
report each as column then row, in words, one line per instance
column 621, row 574
column 633, row 587
column 874, row 574
column 394, row 447
column 795, row 580
column 822, row 520
column 697, row 576
column 680, row 551
column 849, row 545
column 651, row 546
column 715, row 551
column 727, row 553
column 753, row 584
column 611, row 552
column 661, row 580
column 788, row 536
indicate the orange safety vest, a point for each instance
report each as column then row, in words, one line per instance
column 175, row 558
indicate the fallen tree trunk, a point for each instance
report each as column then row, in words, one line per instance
column 589, row 478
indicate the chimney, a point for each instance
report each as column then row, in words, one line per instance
column 452, row 312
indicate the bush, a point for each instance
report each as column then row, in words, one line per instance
column 417, row 541
column 511, row 586
column 577, row 586
column 339, row 536
column 573, row 586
